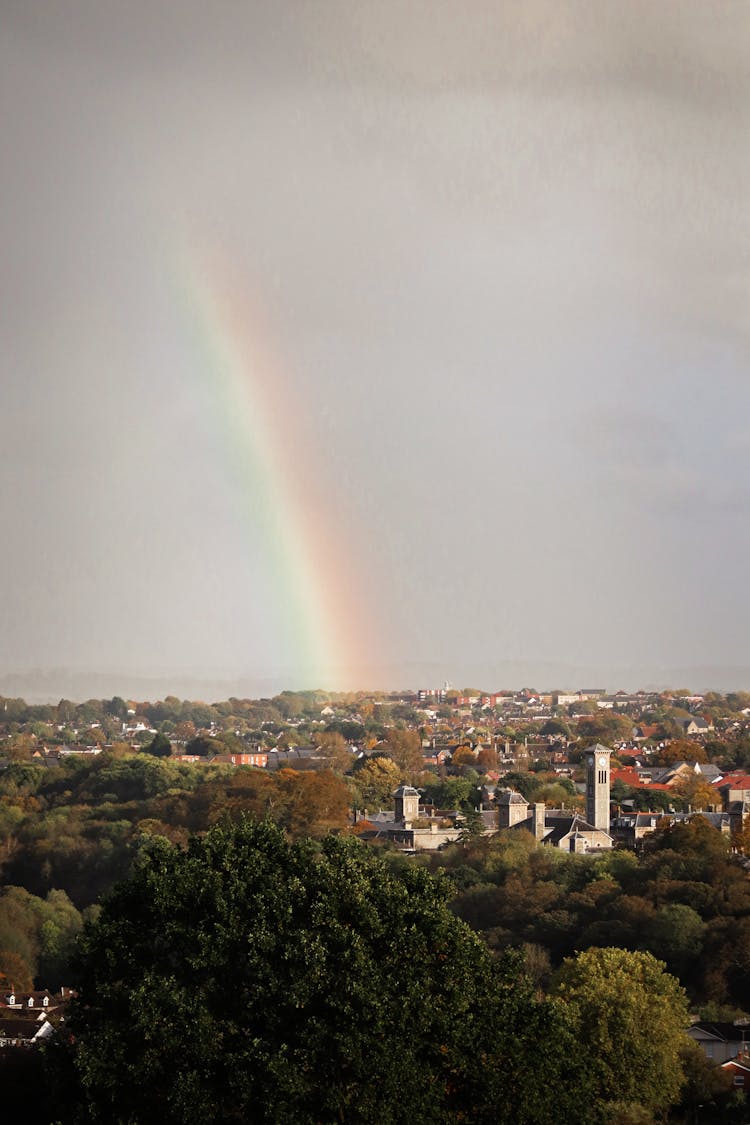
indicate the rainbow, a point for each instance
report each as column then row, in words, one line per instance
column 320, row 618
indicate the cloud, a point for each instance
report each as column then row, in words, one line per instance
column 504, row 247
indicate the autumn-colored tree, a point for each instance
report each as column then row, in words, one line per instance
column 463, row 756
column 184, row 730
column 120, row 749
column 334, row 748
column 15, row 971
column 487, row 759
column 681, row 750
column 249, row 792
column 405, row 748
column 375, row 779
column 603, row 726
column 741, row 837
column 176, row 834
column 312, row 803
column 19, row 747
column 696, row 792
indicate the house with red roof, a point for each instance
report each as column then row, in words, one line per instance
column 637, row 779
column 733, row 786
column 739, row 1068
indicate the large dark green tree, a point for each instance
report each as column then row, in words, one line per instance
column 159, row 746
column 253, row 979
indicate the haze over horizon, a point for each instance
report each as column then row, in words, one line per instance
column 213, row 686
column 396, row 339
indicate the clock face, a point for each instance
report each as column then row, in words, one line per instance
column 602, row 762
column 591, row 761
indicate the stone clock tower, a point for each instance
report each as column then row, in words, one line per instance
column 597, row 786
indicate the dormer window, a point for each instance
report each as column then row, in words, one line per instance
column 31, row 1001
column 45, row 1001
column 11, row 999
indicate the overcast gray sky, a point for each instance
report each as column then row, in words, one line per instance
column 501, row 254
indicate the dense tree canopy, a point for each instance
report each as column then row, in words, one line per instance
column 253, row 979
column 631, row 1018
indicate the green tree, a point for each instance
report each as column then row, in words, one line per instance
column 525, row 783
column 203, row 745
column 252, row 979
column 631, row 1017
column 116, row 707
column 707, row 1093
column 676, row 936
column 472, row 825
column 451, row 793
column 556, row 726
column 159, row 746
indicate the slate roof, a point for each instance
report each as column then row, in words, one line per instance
column 17, row 1026
column 726, row 1032
column 510, row 797
column 280, row 758
column 640, row 819
column 564, row 823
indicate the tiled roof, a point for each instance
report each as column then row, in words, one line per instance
column 732, row 781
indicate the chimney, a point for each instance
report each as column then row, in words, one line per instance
column 538, row 814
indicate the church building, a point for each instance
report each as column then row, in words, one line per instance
column 564, row 828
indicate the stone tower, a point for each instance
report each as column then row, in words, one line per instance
column 597, row 786
column 512, row 808
column 406, row 804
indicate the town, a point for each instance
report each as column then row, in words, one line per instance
column 564, row 821
column 672, row 753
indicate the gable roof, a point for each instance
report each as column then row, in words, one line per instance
column 563, row 824
column 732, row 781
column 735, row 1064
column 723, row 1031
